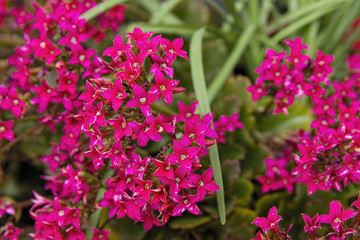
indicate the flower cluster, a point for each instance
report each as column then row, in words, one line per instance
column 227, row 124
column 285, row 77
column 105, row 109
column 342, row 222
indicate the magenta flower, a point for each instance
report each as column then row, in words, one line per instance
column 81, row 56
column 194, row 133
column 141, row 99
column 185, row 202
column 46, row 95
column 178, row 182
column 337, row 215
column 204, row 183
column 54, row 159
column 5, row 130
column 311, row 224
column 44, row 48
column 100, row 234
column 116, row 95
column 183, row 156
column 14, row 103
column 162, row 65
column 164, row 87
column 143, row 189
column 164, row 169
column 271, row 222
column 11, row 232
column 122, row 128
column 344, row 90
column 173, row 48
column 187, row 113
column 138, row 34
column 257, row 91
column 118, row 50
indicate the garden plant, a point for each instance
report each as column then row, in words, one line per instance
column 179, row 119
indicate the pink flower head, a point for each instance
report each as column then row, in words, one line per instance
column 13, row 102
column 296, row 45
column 45, row 95
column 142, row 99
column 138, row 34
column 116, row 95
column 81, row 56
column 122, row 128
column 344, row 90
column 5, row 130
column 337, row 215
column 164, row 87
column 204, row 183
column 185, row 202
column 187, row 113
column 173, row 48
column 45, row 49
column 311, row 224
column 257, row 91
column 100, row 234
column 11, row 232
column 271, row 222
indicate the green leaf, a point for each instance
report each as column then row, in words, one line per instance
column 330, row 6
column 189, row 222
column 242, row 215
column 269, row 200
column 100, row 8
column 198, row 77
column 165, row 8
column 243, row 189
column 299, row 116
column 294, row 16
column 230, row 62
column 154, row 6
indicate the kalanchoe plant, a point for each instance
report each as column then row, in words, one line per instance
column 102, row 107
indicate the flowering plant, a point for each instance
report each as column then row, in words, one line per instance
column 126, row 119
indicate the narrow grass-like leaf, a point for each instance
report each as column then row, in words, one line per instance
column 285, row 32
column 230, row 5
column 230, row 62
column 164, row 10
column 154, row 6
column 318, row 7
column 198, row 77
column 351, row 13
column 100, row 8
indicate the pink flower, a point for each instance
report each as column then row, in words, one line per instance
column 5, row 130
column 164, row 87
column 116, row 95
column 173, row 48
column 122, row 128
column 204, row 183
column 11, row 232
column 311, row 224
column 337, row 215
column 100, row 234
column 271, row 222
column 141, row 99
column 13, row 102
column 185, row 202
column 46, row 95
